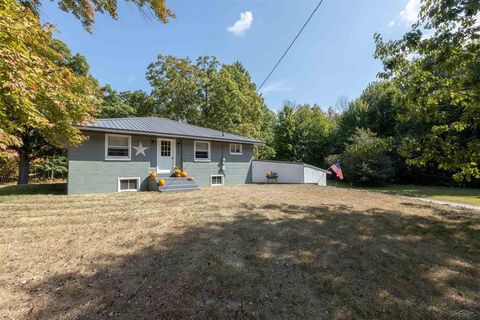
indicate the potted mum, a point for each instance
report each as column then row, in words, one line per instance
column 271, row 176
column 178, row 172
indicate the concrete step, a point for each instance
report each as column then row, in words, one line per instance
column 178, row 182
column 178, row 190
column 171, row 178
column 172, row 184
column 178, row 187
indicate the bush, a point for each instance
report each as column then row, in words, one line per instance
column 8, row 168
column 365, row 159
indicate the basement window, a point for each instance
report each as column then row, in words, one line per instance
column 128, row 184
column 217, row 180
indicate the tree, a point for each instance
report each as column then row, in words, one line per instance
column 285, row 134
column 234, row 105
column 85, row 10
column 342, row 104
column 39, row 98
column 176, row 88
column 267, row 134
column 142, row 103
column 113, row 105
column 207, row 94
column 56, row 164
column 303, row 133
column 439, row 86
column 375, row 109
column 314, row 132
column 365, row 159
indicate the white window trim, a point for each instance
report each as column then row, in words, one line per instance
column 195, row 151
column 217, row 175
column 128, row 178
column 236, row 153
column 121, row 158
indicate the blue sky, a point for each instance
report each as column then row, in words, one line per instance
column 333, row 57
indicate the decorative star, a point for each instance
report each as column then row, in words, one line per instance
column 140, row 149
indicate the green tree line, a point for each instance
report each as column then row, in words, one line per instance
column 418, row 123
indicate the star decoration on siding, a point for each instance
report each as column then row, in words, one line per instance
column 140, row 149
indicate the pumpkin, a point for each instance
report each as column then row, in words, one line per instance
column 178, row 174
column 161, row 182
column 153, row 175
column 184, row 174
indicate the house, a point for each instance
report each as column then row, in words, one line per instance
column 119, row 154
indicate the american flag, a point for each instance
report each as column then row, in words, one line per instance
column 338, row 171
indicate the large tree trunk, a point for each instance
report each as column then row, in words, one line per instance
column 23, row 166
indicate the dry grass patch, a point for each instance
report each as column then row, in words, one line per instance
column 253, row 251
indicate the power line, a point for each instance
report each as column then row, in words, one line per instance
column 291, row 44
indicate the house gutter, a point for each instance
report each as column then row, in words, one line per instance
column 294, row 162
column 155, row 134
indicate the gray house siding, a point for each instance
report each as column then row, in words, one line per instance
column 89, row 172
column 237, row 167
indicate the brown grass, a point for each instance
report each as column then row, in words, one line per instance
column 253, row 251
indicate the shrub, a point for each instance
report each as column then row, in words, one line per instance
column 365, row 159
column 8, row 168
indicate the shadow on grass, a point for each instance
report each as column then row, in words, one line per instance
column 31, row 189
column 284, row 261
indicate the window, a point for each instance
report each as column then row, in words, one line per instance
column 128, row 184
column 202, row 151
column 117, row 147
column 217, row 180
column 235, row 148
column 165, row 148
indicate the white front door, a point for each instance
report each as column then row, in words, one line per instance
column 165, row 155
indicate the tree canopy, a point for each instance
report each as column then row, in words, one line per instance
column 205, row 93
column 303, row 133
column 85, row 10
column 40, row 92
column 436, row 68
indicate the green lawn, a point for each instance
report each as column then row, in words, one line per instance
column 237, row 252
column 11, row 190
column 469, row 196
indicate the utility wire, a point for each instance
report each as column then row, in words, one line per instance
column 291, row 44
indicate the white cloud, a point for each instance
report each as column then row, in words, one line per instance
column 131, row 78
column 277, row 86
column 242, row 25
column 409, row 15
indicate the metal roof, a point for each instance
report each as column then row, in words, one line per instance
column 163, row 127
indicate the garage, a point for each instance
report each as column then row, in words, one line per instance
column 288, row 172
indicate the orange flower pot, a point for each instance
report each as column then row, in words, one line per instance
column 184, row 174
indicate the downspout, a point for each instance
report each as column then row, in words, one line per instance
column 181, row 153
column 222, row 168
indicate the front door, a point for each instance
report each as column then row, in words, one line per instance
column 165, row 155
